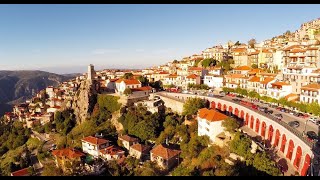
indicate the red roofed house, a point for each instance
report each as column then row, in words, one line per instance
column 139, row 151
column 93, row 145
column 209, row 123
column 279, row 89
column 123, row 84
column 141, row 91
column 192, row 79
column 112, row 153
column 111, row 84
column 66, row 157
column 165, row 156
column 128, row 141
column 21, row 172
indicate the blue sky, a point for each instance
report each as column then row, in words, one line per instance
column 65, row 38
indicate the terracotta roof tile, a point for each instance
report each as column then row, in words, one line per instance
column 267, row 80
column 68, row 153
column 280, row 83
column 128, row 81
column 140, row 147
column 195, row 69
column 242, row 68
column 192, row 76
column 144, row 88
column 129, row 138
column 95, row 140
column 211, row 115
column 165, row 151
column 254, row 79
column 313, row 86
column 21, row 172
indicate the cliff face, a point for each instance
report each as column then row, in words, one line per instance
column 84, row 100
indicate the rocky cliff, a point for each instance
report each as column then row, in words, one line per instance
column 84, row 100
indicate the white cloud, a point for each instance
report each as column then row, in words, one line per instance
column 105, row 51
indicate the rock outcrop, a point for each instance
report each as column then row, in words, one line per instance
column 84, row 100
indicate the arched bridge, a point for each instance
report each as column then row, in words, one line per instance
column 295, row 147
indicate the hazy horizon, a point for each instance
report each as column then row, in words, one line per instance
column 66, row 38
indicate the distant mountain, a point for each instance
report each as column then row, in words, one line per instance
column 72, row 75
column 18, row 86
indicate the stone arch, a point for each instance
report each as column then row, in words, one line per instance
column 251, row 122
column 219, row 106
column 276, row 141
column 283, row 143
column 263, row 129
column 290, row 149
column 242, row 114
column 230, row 109
column 247, row 119
column 297, row 160
column 224, row 107
column 236, row 112
column 212, row 105
column 306, row 165
column 257, row 125
column 270, row 133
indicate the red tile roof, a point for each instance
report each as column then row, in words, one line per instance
column 140, row 147
column 240, row 50
column 279, row 83
column 165, row 151
column 144, row 88
column 21, row 172
column 314, row 87
column 211, row 115
column 112, row 150
column 128, row 81
column 95, row 140
column 242, row 68
column 128, row 138
column 192, row 76
column 68, row 153
column 267, row 80
column 254, row 79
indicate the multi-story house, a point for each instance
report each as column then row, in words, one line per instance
column 165, row 156
column 265, row 58
column 253, row 58
column 312, row 56
column 123, row 84
column 299, row 76
column 198, row 71
column 210, row 123
column 213, row 81
column 63, row 157
column 159, row 76
column 139, row 151
column 240, row 57
column 253, row 83
column 310, row 93
column 92, row 145
column 279, row 89
column 111, row 153
column 233, row 80
column 192, row 79
column 216, row 70
column 128, row 141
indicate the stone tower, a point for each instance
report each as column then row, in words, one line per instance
column 91, row 73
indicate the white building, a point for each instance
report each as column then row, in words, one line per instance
column 92, row 145
column 50, row 91
column 213, row 81
column 279, row 89
column 123, row 84
column 209, row 123
column 310, row 93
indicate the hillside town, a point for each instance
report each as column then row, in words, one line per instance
column 285, row 67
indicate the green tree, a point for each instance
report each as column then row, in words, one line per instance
column 241, row 145
column 175, row 61
column 208, row 62
column 314, row 108
column 254, row 66
column 230, row 124
column 128, row 76
column 144, row 80
column 192, row 105
column 264, row 163
column 127, row 91
column 237, row 43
